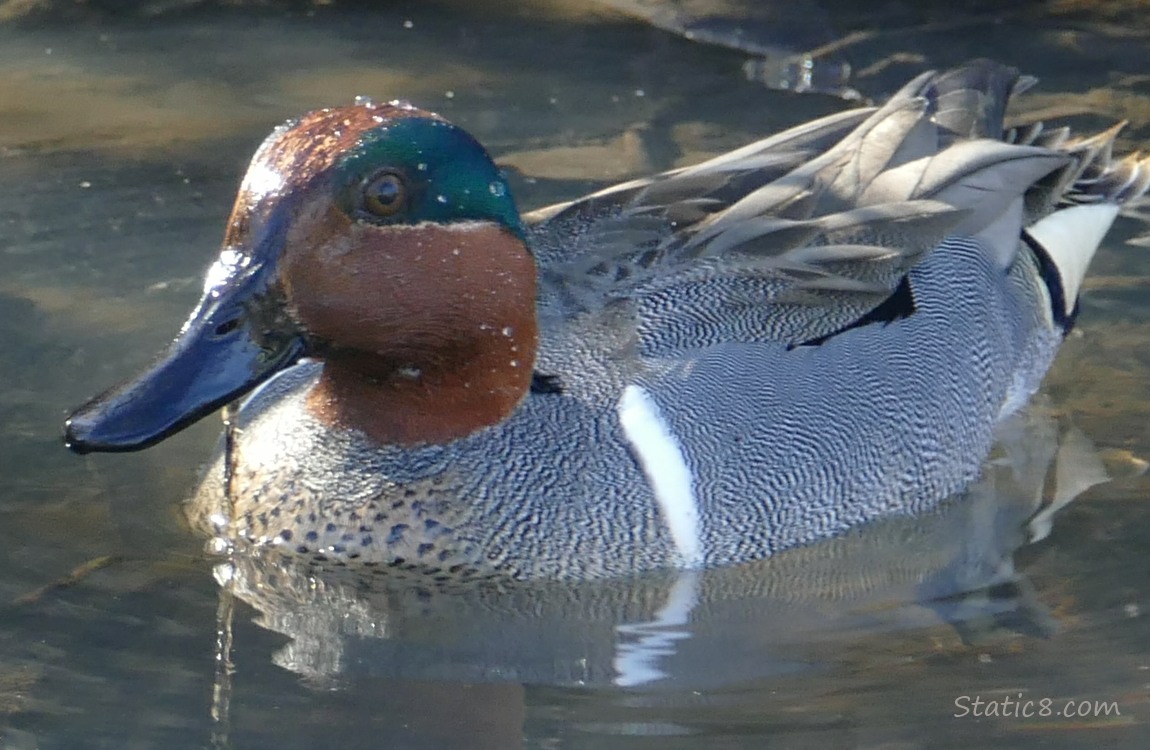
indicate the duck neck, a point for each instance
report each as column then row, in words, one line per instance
column 422, row 400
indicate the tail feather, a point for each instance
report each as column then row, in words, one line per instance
column 1082, row 200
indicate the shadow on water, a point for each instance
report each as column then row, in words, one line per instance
column 121, row 142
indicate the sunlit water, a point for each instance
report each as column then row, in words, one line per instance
column 120, row 148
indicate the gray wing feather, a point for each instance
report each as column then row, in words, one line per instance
column 798, row 235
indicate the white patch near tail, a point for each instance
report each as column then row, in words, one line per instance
column 1071, row 236
column 661, row 458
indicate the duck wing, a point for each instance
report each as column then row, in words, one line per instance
column 814, row 230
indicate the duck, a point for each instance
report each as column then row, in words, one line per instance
column 697, row 369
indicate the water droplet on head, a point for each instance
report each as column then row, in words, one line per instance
column 508, row 331
column 410, row 372
column 498, row 188
column 421, row 166
column 441, row 198
column 224, row 573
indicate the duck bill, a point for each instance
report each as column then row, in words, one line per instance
column 236, row 338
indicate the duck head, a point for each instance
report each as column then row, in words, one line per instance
column 379, row 238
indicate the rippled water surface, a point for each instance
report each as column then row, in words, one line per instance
column 121, row 143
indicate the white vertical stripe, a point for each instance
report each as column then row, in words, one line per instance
column 661, row 459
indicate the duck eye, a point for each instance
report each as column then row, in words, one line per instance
column 385, row 195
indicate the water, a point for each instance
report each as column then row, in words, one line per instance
column 121, row 144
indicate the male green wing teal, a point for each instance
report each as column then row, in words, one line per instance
column 705, row 367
